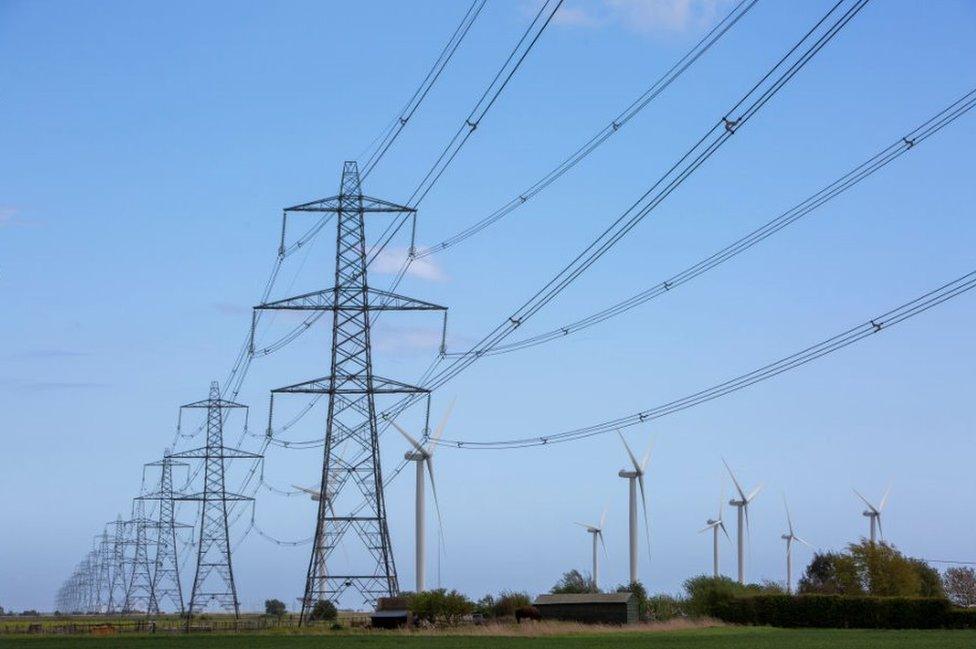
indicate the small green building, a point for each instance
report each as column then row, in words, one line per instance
column 591, row 608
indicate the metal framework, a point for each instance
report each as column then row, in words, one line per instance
column 351, row 452
column 139, row 596
column 166, row 568
column 214, row 577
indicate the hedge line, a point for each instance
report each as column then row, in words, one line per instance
column 834, row 611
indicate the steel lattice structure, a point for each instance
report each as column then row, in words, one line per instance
column 351, row 451
column 214, row 577
column 139, row 595
column 166, row 568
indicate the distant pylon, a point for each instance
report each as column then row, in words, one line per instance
column 214, row 577
column 139, row 596
column 166, row 568
column 351, row 453
column 117, row 583
column 103, row 570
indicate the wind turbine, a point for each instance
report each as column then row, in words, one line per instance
column 635, row 478
column 742, row 506
column 716, row 524
column 789, row 537
column 424, row 456
column 316, row 496
column 597, row 532
column 874, row 513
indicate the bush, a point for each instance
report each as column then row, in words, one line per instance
column 274, row 607
column 323, row 610
column 835, row 611
column 508, row 601
column 660, row 608
column 707, row 594
column 574, row 582
column 440, row 606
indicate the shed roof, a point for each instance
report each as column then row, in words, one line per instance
column 393, row 613
column 585, row 598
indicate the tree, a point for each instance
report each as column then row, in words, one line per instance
column 706, row 594
column 640, row 593
column 870, row 569
column 508, row 601
column 274, row 607
column 960, row 585
column 324, row 610
column 831, row 573
column 440, row 606
column 930, row 581
column 574, row 582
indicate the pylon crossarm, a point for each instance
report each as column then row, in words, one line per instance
column 212, row 403
column 350, row 384
column 340, row 203
column 349, row 300
column 203, row 496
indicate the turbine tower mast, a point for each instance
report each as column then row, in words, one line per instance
column 742, row 515
column 423, row 457
column 351, row 448
column 214, row 577
column 635, row 477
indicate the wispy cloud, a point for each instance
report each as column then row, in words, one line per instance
column 646, row 16
column 390, row 260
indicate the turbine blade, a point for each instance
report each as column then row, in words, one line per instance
column 884, row 499
column 880, row 529
column 647, row 527
column 600, row 534
column 416, row 445
column 742, row 494
column 633, row 459
column 584, row 525
column 789, row 520
column 707, row 527
column 722, row 525
column 754, row 493
column 866, row 502
column 803, row 542
column 433, row 489
column 603, row 517
column 441, row 426
column 647, row 456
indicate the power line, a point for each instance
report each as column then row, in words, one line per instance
column 604, row 134
column 873, row 326
column 851, row 178
column 386, row 140
column 767, row 87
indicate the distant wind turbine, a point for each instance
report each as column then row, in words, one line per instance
column 742, row 506
column 716, row 524
column 874, row 513
column 320, row 554
column 635, row 478
column 597, row 532
column 789, row 537
column 424, row 457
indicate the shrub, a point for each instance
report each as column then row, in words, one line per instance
column 660, row 608
column 835, row 611
column 508, row 601
column 274, row 607
column 574, row 582
column 707, row 594
column 323, row 610
column 960, row 585
column 440, row 606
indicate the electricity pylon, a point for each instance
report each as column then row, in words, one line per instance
column 117, row 583
column 214, row 577
column 139, row 595
column 103, row 570
column 351, row 439
column 166, row 567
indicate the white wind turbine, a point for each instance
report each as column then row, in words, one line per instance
column 874, row 513
column 789, row 537
column 424, row 456
column 597, row 532
column 635, row 478
column 742, row 506
column 716, row 524
column 316, row 496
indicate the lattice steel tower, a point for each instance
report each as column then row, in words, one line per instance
column 166, row 568
column 214, row 578
column 351, row 450
column 139, row 594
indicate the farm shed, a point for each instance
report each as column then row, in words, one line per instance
column 596, row 608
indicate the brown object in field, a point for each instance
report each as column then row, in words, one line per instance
column 104, row 629
column 528, row 613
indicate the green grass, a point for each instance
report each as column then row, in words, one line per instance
column 716, row 638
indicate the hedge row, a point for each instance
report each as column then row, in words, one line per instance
column 834, row 611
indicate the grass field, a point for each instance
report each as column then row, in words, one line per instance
column 711, row 638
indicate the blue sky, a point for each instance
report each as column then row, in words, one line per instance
column 148, row 149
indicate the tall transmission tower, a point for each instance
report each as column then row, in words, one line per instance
column 214, row 578
column 117, row 582
column 139, row 595
column 166, row 567
column 103, row 570
column 351, row 452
